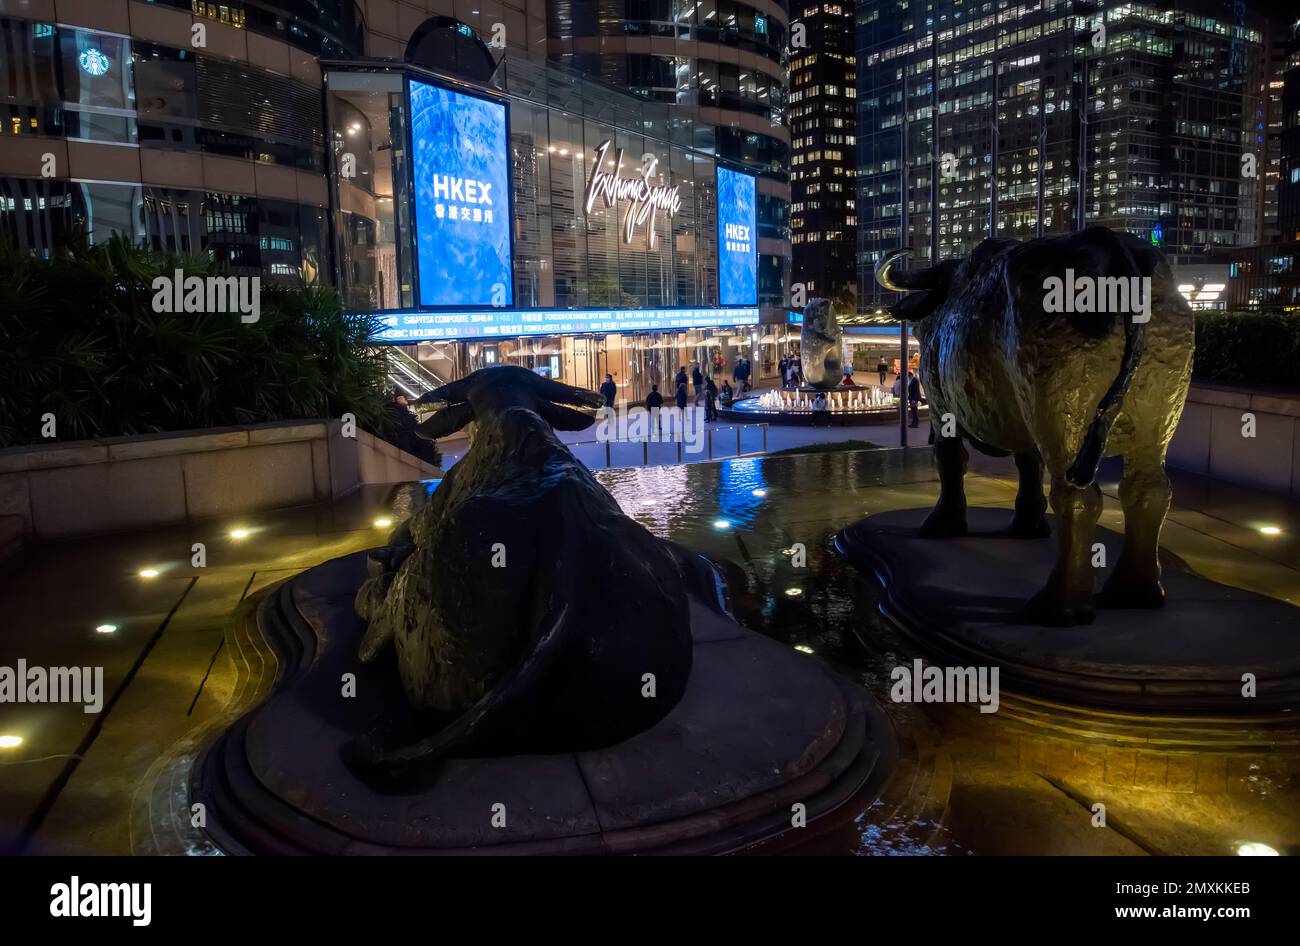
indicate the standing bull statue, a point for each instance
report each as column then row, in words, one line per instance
column 1061, row 351
column 529, row 614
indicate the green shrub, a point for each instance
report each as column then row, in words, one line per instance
column 1248, row 348
column 79, row 339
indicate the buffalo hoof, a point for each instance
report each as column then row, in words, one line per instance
column 1119, row 595
column 1048, row 609
column 1029, row 527
column 944, row 524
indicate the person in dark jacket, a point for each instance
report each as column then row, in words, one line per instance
column 697, row 381
column 914, row 398
column 681, row 377
column 710, row 400
column 653, row 402
column 609, row 390
column 882, row 369
column 681, row 396
column 727, row 395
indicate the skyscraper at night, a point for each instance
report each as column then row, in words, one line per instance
column 1039, row 118
column 823, row 119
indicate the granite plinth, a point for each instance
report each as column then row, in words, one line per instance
column 760, row 728
column 959, row 598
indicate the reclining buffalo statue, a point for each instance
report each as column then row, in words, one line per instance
column 1061, row 351
column 528, row 613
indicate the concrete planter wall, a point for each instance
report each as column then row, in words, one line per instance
column 1209, row 438
column 123, row 483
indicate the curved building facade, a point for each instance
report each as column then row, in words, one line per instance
column 191, row 127
column 212, row 129
column 721, row 63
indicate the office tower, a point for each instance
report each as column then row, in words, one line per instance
column 1030, row 118
column 823, row 119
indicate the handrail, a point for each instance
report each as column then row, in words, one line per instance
column 409, row 375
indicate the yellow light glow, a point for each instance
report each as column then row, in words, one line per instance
column 1255, row 849
column 383, row 523
column 106, row 629
column 760, row 493
column 793, row 592
column 238, row 534
column 803, row 648
column 10, row 742
column 1270, row 530
column 148, row 573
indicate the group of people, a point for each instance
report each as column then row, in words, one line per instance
column 404, row 420
column 704, row 388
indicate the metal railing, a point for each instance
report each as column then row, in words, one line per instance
column 408, row 375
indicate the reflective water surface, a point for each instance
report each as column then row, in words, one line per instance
column 1014, row 782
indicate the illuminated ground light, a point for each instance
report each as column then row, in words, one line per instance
column 1255, row 849
column 106, row 629
column 10, row 742
column 721, row 524
column 1270, row 530
column 382, row 523
column 238, row 534
column 148, row 573
column 760, row 493
column 787, row 551
column 803, row 648
column 793, row 592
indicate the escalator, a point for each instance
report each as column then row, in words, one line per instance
column 407, row 375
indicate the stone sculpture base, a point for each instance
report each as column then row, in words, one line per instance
column 958, row 598
column 760, row 728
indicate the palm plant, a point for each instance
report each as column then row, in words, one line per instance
column 80, row 340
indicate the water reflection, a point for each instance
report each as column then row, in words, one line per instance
column 968, row 783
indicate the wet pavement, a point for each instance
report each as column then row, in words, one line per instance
column 1022, row 782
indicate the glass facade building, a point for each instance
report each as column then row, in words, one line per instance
column 1015, row 120
column 720, row 63
column 150, row 101
column 232, row 148
column 588, row 295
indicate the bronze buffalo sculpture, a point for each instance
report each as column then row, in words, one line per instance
column 1061, row 351
column 820, row 342
column 528, row 613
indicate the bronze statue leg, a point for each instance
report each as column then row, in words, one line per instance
column 1145, row 494
column 1067, row 597
column 948, row 517
column 1030, row 519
